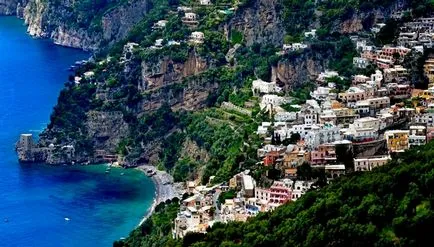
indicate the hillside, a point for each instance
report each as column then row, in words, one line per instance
column 114, row 104
column 88, row 25
column 171, row 85
column 390, row 206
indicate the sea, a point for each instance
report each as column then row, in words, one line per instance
column 44, row 205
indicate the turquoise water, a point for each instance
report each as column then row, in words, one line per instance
column 36, row 199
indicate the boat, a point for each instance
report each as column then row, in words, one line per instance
column 67, row 219
column 107, row 171
column 122, row 174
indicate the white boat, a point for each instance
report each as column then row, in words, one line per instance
column 67, row 219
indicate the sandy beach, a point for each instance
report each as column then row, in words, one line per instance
column 165, row 188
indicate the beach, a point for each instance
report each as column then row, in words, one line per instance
column 165, row 188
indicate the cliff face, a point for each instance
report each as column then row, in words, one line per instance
column 293, row 72
column 12, row 7
column 261, row 22
column 66, row 24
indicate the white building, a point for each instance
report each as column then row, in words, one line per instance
column 323, row 76
column 320, row 134
column 300, row 188
column 285, row 116
column 360, row 62
column 369, row 163
column 160, row 24
column 197, row 37
column 271, row 100
column 263, row 128
column 417, row 136
column 294, row 47
column 377, row 27
column 261, row 86
column 311, row 33
column 424, row 118
column 205, row 2
column 321, row 93
column 367, row 122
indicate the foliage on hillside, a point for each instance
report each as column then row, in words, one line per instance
column 157, row 227
column 390, row 206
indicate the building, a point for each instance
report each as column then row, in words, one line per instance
column 320, row 134
column 205, row 2
column 367, row 123
column 190, row 19
column 428, row 69
column 285, row 116
column 377, row 27
column 424, row 118
column 159, row 24
column 359, row 79
column 321, row 93
column 345, row 116
column 310, row 34
column 197, row 37
column 248, row 187
column 300, row 188
column 352, row 94
column 369, row 163
column 294, row 156
column 272, row 100
column 399, row 91
column 327, row 116
column 418, row 135
column 360, row 62
column 324, row 76
column 324, row 154
column 293, row 47
column 260, row 86
column 26, row 142
column 396, row 74
column 397, row 140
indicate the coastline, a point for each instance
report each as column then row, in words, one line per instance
column 165, row 189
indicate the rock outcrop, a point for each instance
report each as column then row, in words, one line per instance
column 12, row 7
column 296, row 70
column 260, row 22
column 60, row 22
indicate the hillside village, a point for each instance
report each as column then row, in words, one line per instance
column 344, row 124
column 338, row 130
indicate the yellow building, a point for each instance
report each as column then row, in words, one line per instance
column 427, row 94
column 397, row 140
column 428, row 68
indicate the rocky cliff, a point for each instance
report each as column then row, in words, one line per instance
column 260, row 21
column 296, row 70
column 131, row 101
column 77, row 24
column 12, row 7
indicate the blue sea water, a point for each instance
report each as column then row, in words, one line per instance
column 36, row 199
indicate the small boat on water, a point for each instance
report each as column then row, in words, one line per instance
column 122, row 174
column 67, row 219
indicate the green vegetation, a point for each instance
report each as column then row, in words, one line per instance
column 392, row 205
column 157, row 227
column 230, row 194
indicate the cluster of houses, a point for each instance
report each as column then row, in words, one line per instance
column 202, row 209
column 378, row 115
column 336, row 131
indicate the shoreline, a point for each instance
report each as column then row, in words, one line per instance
column 165, row 189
